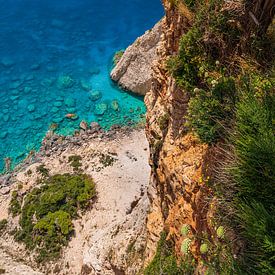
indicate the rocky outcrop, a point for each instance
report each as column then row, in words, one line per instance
column 133, row 72
column 177, row 159
column 110, row 237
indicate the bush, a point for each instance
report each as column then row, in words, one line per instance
column 47, row 212
column 209, row 112
column 75, row 162
column 3, row 224
column 254, row 176
column 165, row 262
column 42, row 170
column 15, row 204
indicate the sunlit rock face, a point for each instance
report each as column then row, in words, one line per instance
column 133, row 71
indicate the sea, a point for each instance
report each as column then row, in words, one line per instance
column 55, row 61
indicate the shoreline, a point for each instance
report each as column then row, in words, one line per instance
column 117, row 219
column 54, row 140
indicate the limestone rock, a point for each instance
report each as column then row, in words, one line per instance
column 95, row 95
column 101, row 108
column 133, row 72
column 95, row 127
column 83, row 125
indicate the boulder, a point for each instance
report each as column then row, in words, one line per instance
column 95, row 127
column 95, row 95
column 100, row 109
column 114, row 105
column 83, row 125
column 133, row 72
column 69, row 102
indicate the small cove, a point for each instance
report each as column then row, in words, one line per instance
column 55, row 59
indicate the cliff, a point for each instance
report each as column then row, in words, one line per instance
column 176, row 157
column 202, row 153
column 133, row 71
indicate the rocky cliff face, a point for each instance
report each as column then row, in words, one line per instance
column 133, row 72
column 177, row 159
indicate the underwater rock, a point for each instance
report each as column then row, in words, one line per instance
column 31, row 108
column 134, row 70
column 58, row 119
column 27, row 89
column 100, row 109
column 56, row 23
column 7, row 62
column 85, row 85
column 94, row 70
column 58, row 104
column 47, row 82
column 65, row 82
column 59, row 98
column 14, row 85
column 50, row 68
column 35, row 67
column 3, row 134
column 71, row 110
column 83, row 125
column 69, row 102
column 54, row 110
column 6, row 118
column 14, row 97
column 95, row 95
column 30, row 77
column 114, row 105
column 72, row 116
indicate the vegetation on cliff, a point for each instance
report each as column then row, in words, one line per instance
column 46, row 212
column 225, row 63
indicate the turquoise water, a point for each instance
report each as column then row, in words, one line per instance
column 55, row 59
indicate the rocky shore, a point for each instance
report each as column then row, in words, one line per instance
column 133, row 71
column 109, row 237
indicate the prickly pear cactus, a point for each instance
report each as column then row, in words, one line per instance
column 185, row 230
column 185, row 246
column 220, row 232
column 204, row 248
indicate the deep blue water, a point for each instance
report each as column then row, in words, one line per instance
column 55, row 59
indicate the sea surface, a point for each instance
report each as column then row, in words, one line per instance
column 55, row 60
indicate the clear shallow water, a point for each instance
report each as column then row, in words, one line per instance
column 53, row 55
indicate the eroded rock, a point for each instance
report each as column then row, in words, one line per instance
column 133, row 72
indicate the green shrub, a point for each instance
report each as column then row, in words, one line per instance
column 254, row 175
column 47, row 213
column 42, row 170
column 75, row 162
column 15, row 204
column 163, row 121
column 165, row 262
column 209, row 112
column 3, row 224
column 118, row 56
column 106, row 160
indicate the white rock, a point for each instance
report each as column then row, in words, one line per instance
column 133, row 72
